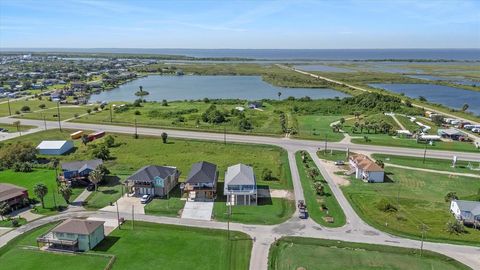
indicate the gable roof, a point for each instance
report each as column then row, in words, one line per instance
column 8, row 191
column 239, row 174
column 51, row 144
column 78, row 226
column 469, row 206
column 365, row 163
column 148, row 173
column 202, row 172
column 81, row 165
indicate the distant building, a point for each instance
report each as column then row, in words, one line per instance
column 78, row 86
column 153, row 180
column 466, row 211
column 54, row 147
column 255, row 105
column 366, row 169
column 13, row 195
column 450, row 133
column 74, row 235
column 79, row 169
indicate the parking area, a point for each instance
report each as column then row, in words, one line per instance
column 125, row 205
column 198, row 210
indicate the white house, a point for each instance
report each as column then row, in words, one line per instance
column 54, row 147
column 466, row 211
column 240, row 185
column 366, row 169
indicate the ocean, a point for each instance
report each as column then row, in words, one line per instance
column 288, row 54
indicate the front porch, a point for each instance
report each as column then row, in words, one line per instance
column 48, row 241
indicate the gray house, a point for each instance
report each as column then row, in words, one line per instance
column 240, row 185
column 201, row 183
column 153, row 180
column 466, row 211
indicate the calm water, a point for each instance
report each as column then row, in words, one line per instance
column 323, row 68
column 446, row 95
column 457, row 80
column 199, row 87
column 275, row 54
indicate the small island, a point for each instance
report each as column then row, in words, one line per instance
column 141, row 93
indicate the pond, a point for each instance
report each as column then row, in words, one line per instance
column 215, row 87
column 449, row 96
column 323, row 68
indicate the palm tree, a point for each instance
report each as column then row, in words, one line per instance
column 4, row 209
column 66, row 193
column 17, row 124
column 95, row 177
column 319, row 188
column 41, row 190
column 279, row 94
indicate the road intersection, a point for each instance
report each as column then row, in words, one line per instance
column 356, row 230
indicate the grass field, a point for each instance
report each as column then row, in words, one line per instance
column 131, row 154
column 166, row 207
column 309, row 253
column 317, row 127
column 268, row 211
column 332, row 155
column 51, row 114
column 419, row 198
column 28, row 181
column 13, row 129
column 430, row 163
column 314, row 201
column 148, row 246
column 386, row 140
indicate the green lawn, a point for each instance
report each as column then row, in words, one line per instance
column 308, row 253
column 419, row 197
column 268, row 211
column 317, row 127
column 51, row 114
column 8, row 222
column 28, row 181
column 386, row 140
column 13, row 129
column 148, row 246
column 166, row 207
column 332, row 155
column 314, row 201
column 430, row 163
column 131, row 154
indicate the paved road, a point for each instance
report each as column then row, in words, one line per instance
column 356, row 230
column 368, row 90
column 286, row 143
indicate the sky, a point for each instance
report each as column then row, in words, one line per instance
column 254, row 24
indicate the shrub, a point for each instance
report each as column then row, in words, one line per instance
column 22, row 167
column 25, row 108
column 455, row 227
column 137, row 112
column 267, row 174
column 385, row 206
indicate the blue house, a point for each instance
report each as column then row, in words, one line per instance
column 79, row 169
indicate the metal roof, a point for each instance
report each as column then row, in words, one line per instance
column 51, row 144
column 469, row 206
column 239, row 174
column 9, row 191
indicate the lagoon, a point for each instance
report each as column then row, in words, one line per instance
column 214, row 87
column 449, row 96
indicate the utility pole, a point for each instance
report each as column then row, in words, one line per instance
column 326, row 137
column 133, row 218
column 423, row 228
column 9, row 109
column 58, row 114
column 225, row 135
column 44, row 122
column 136, row 134
column 118, row 217
column 229, row 212
column 111, row 114
column 54, row 199
column 425, row 153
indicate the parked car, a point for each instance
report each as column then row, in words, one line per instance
column 303, row 214
column 146, row 198
column 339, row 162
column 90, row 187
column 301, row 205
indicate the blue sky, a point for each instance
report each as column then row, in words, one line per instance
column 240, row 24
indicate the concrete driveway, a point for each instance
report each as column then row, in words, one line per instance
column 125, row 204
column 198, row 210
column 110, row 223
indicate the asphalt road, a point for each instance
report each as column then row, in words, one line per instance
column 356, row 230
